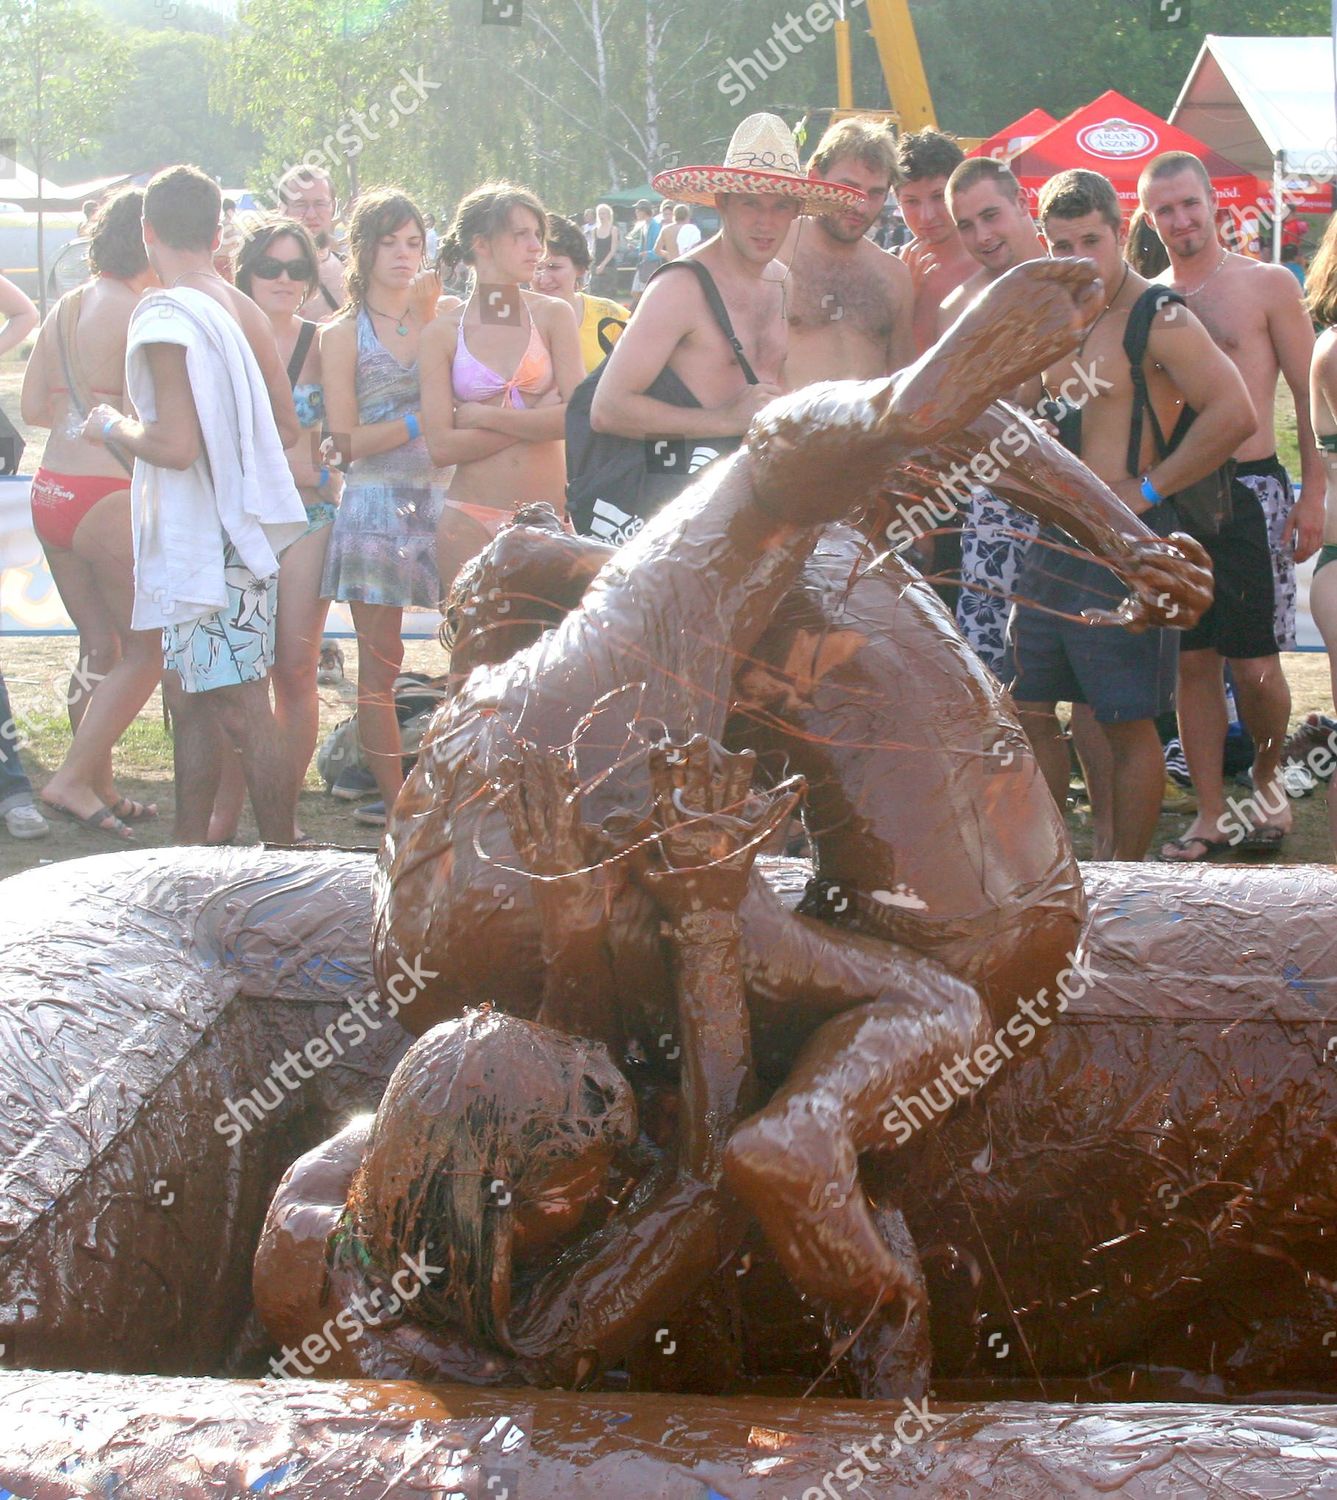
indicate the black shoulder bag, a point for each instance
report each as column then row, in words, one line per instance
column 1203, row 507
column 615, row 484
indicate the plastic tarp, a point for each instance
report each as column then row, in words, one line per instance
column 1117, row 138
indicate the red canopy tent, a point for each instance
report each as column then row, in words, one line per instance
column 1117, row 138
column 1004, row 144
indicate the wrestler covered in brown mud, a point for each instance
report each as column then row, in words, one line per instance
column 464, row 1231
column 744, row 609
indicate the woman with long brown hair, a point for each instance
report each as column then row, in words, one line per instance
column 503, row 431
column 81, row 513
column 381, row 555
column 1321, row 294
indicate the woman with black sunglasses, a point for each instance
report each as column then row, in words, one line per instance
column 276, row 268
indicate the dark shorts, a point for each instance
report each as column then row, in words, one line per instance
column 1240, row 623
column 1052, row 660
column 1122, row 676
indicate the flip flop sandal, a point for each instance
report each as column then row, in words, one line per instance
column 1210, row 849
column 94, row 822
column 1264, row 840
column 130, row 811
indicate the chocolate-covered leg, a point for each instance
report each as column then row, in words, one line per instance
column 795, row 1163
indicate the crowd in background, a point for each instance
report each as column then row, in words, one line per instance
column 420, row 382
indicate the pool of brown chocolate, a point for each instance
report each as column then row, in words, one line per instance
column 1138, row 1210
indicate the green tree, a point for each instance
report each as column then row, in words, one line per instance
column 177, row 70
column 61, row 73
column 333, row 83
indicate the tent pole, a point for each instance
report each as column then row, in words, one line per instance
column 1278, row 206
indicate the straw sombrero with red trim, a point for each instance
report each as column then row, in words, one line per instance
column 762, row 158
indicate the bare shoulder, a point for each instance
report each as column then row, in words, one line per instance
column 340, row 334
column 1325, row 353
column 887, row 265
column 549, row 312
column 1260, row 280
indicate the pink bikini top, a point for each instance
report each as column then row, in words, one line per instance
column 474, row 381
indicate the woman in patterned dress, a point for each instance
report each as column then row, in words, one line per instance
column 381, row 556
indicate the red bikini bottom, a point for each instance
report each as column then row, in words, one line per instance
column 61, row 501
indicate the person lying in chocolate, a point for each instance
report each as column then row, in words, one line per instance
column 464, row 1232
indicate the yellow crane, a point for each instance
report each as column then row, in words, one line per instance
column 898, row 51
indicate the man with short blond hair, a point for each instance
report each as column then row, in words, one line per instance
column 1255, row 314
column 851, row 304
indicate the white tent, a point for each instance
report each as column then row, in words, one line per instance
column 1264, row 101
column 1267, row 102
column 19, row 185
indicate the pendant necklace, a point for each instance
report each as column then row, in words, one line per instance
column 1081, row 348
column 400, row 323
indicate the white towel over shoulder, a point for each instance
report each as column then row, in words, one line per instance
column 239, row 489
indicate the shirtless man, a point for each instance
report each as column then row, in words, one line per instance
column 996, row 228
column 851, row 304
column 674, row 328
column 1127, row 679
column 1256, row 314
column 307, row 194
column 937, row 256
column 216, row 665
column 939, row 263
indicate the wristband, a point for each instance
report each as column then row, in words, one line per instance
column 324, row 479
column 1150, row 493
column 412, row 424
column 107, row 424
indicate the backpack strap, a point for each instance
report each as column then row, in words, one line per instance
column 300, row 350
column 1135, row 338
column 716, row 304
column 606, row 341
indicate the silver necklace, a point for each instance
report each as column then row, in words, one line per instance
column 1225, row 256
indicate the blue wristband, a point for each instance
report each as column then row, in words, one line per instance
column 412, row 424
column 324, row 479
column 1150, row 493
column 107, row 425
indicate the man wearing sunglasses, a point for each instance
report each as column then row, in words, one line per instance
column 307, row 195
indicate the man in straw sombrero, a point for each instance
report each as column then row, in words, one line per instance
column 758, row 191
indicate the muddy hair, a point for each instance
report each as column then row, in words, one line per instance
column 261, row 232
column 116, row 243
column 478, row 1110
column 1321, row 279
column 484, row 213
column 385, row 211
column 927, row 153
column 871, row 144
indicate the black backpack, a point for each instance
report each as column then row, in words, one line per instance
column 615, row 484
column 1204, row 506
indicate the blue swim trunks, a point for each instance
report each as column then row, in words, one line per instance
column 233, row 645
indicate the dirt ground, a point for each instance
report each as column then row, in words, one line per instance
column 37, row 671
